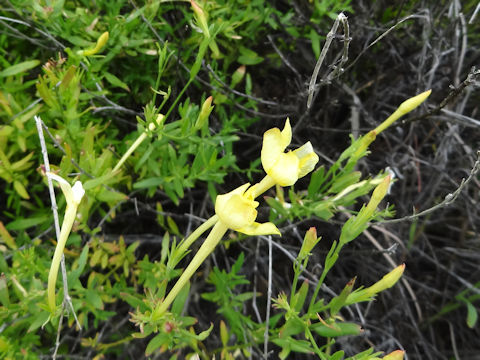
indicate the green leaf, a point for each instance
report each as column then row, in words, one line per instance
column 172, row 226
column 293, row 326
column 22, row 224
column 133, row 301
column 38, row 320
column 4, row 297
column 343, row 181
column 92, row 183
column 73, row 275
column 110, row 196
column 22, row 164
column 224, row 333
column 472, row 314
column 155, row 343
column 301, row 346
column 316, row 181
column 115, row 81
column 19, row 68
column 6, row 237
column 20, row 189
column 148, row 183
column 339, row 301
column 204, row 334
column 338, row 355
column 336, row 329
column 315, row 40
column 94, row 299
column 180, row 300
column 249, row 57
column 300, row 296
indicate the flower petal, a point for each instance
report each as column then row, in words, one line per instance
column 260, row 229
column 78, row 192
column 236, row 210
column 272, row 148
column 274, row 144
column 308, row 159
column 286, row 134
column 72, row 195
column 221, row 200
column 285, row 171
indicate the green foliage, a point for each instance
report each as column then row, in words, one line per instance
column 228, row 299
column 155, row 59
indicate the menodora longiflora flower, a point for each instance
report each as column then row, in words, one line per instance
column 73, row 196
column 236, row 211
column 283, row 168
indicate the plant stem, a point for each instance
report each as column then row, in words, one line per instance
column 330, row 260
column 130, row 150
column 206, row 249
column 296, row 269
column 195, row 235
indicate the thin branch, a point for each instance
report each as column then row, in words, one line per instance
column 472, row 77
column 415, row 16
column 269, row 299
column 449, row 198
column 283, row 57
column 338, row 70
column 321, row 58
column 233, row 91
column 438, row 264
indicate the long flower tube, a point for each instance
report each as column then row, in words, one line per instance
column 185, row 244
column 73, row 196
column 234, row 210
column 404, row 108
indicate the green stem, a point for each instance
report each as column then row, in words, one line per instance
column 310, row 337
column 196, row 234
column 297, row 270
column 68, row 220
column 206, row 249
column 178, row 98
column 328, row 265
column 130, row 151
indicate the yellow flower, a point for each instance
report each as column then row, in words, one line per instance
column 234, row 210
column 73, row 196
column 286, row 168
column 237, row 212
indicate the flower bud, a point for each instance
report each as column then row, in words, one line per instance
column 404, row 108
column 102, row 40
column 309, row 243
column 238, row 76
column 395, row 355
column 378, row 194
column 204, row 113
column 201, row 17
column 386, row 282
column 158, row 122
column 414, row 102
